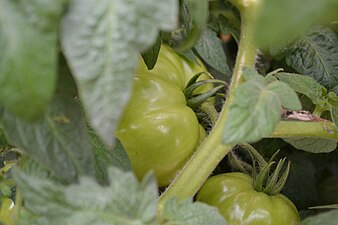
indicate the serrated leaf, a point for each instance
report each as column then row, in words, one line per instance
column 189, row 213
column 59, row 139
column 210, row 48
column 102, row 44
column 253, row 114
column 313, row 145
column 303, row 84
column 285, row 20
column 28, row 43
column 286, row 94
column 300, row 186
column 315, row 55
column 124, row 201
column 327, row 218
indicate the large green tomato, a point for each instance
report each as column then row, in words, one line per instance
column 7, row 211
column 234, row 195
column 157, row 129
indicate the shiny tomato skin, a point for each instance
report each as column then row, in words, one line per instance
column 234, row 195
column 158, row 130
column 7, row 211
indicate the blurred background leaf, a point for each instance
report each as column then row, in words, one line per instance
column 285, row 20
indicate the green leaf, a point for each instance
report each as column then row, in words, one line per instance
column 334, row 115
column 303, row 84
column 102, row 44
column 315, row 55
column 189, row 213
column 27, row 218
column 124, row 201
column 105, row 158
column 284, row 20
column 229, row 23
column 150, row 56
column 195, row 22
column 59, row 139
column 210, row 48
column 327, row 218
column 252, row 74
column 286, row 94
column 253, row 113
column 313, row 145
column 300, row 187
column 28, row 43
column 333, row 98
column 3, row 142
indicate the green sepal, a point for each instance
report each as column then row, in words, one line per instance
column 256, row 157
column 273, row 179
column 196, row 102
column 262, row 176
column 195, row 78
column 282, row 180
column 189, row 90
column 266, row 178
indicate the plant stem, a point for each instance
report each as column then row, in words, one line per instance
column 317, row 111
column 294, row 129
column 205, row 159
column 18, row 205
column 210, row 110
column 239, row 164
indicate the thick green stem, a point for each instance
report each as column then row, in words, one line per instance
column 294, row 129
column 199, row 167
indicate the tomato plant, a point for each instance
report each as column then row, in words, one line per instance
column 120, row 112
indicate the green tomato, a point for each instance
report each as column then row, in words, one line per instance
column 7, row 211
column 158, row 130
column 234, row 195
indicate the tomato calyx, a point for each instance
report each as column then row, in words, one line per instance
column 268, row 176
column 195, row 97
column 272, row 182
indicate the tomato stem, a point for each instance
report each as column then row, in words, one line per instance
column 319, row 109
column 237, row 163
column 294, row 129
column 211, row 151
column 18, row 205
column 210, row 110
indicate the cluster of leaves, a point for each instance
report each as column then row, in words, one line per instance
column 66, row 72
column 66, row 173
